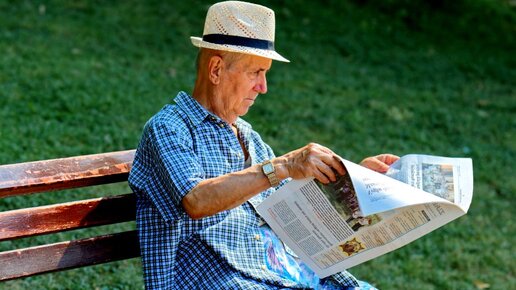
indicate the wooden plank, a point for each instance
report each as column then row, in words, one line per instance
column 68, row 255
column 67, row 216
column 64, row 173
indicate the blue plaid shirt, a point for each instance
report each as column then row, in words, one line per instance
column 182, row 145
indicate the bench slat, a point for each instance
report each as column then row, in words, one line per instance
column 67, row 216
column 68, row 255
column 65, row 173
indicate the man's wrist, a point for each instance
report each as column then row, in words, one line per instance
column 280, row 165
column 269, row 170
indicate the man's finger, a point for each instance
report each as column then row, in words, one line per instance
column 375, row 164
column 327, row 171
column 388, row 158
column 321, row 177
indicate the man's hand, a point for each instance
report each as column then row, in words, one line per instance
column 312, row 160
column 379, row 163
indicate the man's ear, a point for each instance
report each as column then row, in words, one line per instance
column 215, row 69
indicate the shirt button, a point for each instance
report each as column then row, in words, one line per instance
column 257, row 237
column 264, row 267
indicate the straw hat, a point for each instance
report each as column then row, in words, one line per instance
column 240, row 27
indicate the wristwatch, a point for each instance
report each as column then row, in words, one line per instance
column 270, row 172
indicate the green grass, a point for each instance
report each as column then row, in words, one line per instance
column 81, row 77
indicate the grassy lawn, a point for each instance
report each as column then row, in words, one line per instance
column 82, row 77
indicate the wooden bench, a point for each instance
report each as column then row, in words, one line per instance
column 60, row 174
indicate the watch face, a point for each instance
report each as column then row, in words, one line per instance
column 268, row 168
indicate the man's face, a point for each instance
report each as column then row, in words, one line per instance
column 241, row 83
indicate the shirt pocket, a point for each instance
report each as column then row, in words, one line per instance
column 215, row 164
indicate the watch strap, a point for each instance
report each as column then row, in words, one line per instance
column 271, row 175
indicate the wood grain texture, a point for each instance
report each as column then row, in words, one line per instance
column 64, row 173
column 67, row 216
column 68, row 255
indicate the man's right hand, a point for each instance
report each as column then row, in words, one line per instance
column 312, row 160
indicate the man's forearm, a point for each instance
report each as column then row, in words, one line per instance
column 214, row 195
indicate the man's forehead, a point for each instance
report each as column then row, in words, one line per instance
column 257, row 62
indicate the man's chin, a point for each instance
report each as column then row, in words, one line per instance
column 244, row 111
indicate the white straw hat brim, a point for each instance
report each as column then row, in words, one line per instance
column 197, row 41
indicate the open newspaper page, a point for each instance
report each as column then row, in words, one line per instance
column 448, row 178
column 365, row 214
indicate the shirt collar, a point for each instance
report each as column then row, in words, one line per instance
column 197, row 113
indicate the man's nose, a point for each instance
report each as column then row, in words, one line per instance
column 261, row 85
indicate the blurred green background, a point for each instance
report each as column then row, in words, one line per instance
column 400, row 76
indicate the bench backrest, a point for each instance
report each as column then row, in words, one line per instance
column 59, row 174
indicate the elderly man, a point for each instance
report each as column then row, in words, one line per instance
column 200, row 170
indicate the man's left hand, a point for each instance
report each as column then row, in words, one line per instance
column 379, row 163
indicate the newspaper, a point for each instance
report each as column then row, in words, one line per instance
column 365, row 214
